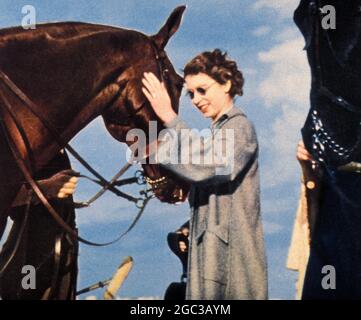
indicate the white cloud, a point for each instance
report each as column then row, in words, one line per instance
column 284, row 8
column 286, row 87
column 289, row 79
column 289, row 33
column 282, row 143
column 261, row 31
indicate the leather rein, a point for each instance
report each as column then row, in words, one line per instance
column 107, row 185
column 139, row 178
column 27, row 172
column 140, row 202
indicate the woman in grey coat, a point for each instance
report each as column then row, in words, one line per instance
column 226, row 254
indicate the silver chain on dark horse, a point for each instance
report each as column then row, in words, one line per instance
column 321, row 137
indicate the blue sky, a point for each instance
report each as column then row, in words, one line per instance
column 261, row 37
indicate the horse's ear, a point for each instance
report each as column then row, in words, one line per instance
column 304, row 21
column 169, row 28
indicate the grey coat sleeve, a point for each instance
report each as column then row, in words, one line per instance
column 217, row 159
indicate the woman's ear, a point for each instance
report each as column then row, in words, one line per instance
column 227, row 86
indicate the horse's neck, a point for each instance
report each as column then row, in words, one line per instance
column 60, row 129
column 44, row 130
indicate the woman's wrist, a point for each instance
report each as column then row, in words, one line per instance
column 169, row 117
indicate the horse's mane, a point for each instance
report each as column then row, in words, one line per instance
column 56, row 31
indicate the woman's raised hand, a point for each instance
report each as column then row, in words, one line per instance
column 157, row 94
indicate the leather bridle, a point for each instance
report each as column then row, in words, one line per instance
column 28, row 172
column 33, row 187
column 28, row 169
column 163, row 74
column 56, row 136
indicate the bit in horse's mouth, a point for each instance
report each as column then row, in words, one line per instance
column 157, row 182
column 160, row 185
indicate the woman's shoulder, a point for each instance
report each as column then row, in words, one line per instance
column 236, row 116
column 238, row 121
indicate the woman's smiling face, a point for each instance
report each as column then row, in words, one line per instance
column 210, row 97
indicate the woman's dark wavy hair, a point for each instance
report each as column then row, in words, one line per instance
column 218, row 66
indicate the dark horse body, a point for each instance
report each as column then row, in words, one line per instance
column 332, row 134
column 74, row 72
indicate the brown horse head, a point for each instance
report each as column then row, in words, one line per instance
column 74, row 72
column 152, row 58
